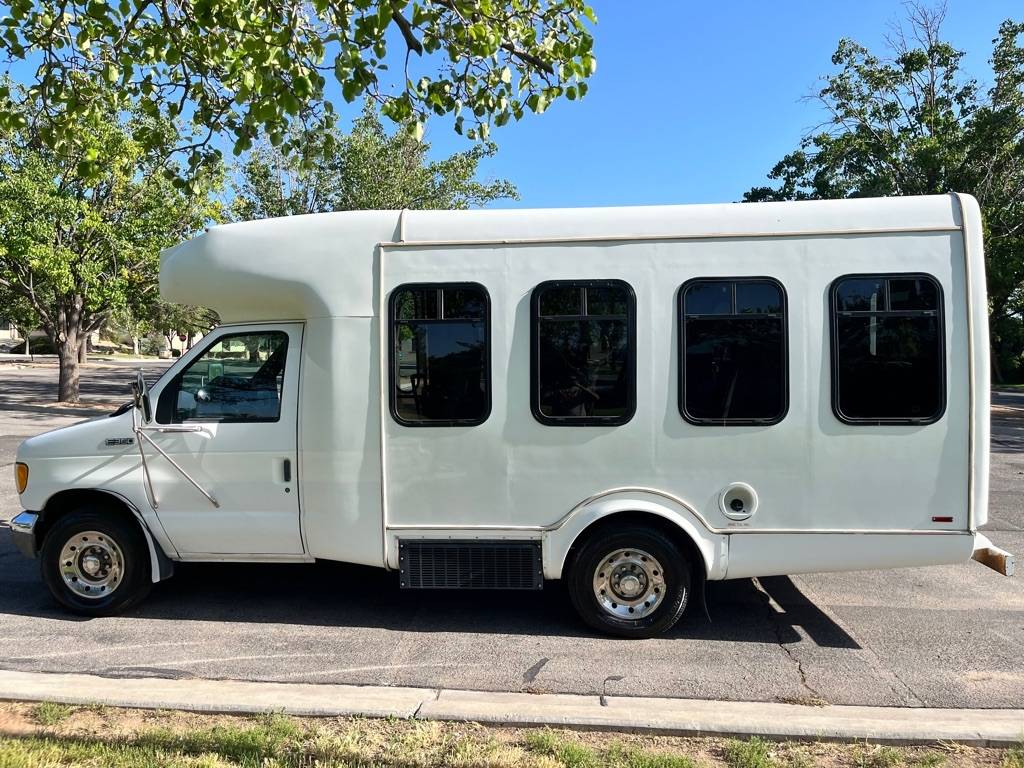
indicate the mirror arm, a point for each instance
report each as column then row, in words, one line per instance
column 143, row 436
column 142, row 404
column 137, row 429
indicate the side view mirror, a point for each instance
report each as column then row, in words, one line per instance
column 140, row 391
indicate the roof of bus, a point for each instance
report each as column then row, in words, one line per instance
column 323, row 265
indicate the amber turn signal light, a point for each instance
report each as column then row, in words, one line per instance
column 21, row 476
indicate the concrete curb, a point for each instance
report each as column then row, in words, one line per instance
column 677, row 717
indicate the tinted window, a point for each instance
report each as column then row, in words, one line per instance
column 888, row 352
column 733, row 361
column 237, row 379
column 912, row 294
column 709, row 298
column 440, row 375
column 561, row 301
column 861, row 294
column 759, row 298
column 584, row 338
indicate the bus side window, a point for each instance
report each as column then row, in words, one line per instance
column 888, row 349
column 733, row 355
column 440, row 354
column 583, row 353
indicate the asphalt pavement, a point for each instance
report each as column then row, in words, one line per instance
column 949, row 636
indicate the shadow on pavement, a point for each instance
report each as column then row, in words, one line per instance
column 334, row 594
column 1007, row 422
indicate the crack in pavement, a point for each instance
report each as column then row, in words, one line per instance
column 437, row 696
column 873, row 659
column 775, row 611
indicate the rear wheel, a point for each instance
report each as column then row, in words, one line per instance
column 632, row 582
column 95, row 563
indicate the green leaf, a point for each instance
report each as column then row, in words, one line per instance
column 247, row 66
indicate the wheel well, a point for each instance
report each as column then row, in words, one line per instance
column 679, row 537
column 64, row 502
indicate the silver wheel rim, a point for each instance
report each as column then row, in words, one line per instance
column 91, row 564
column 629, row 584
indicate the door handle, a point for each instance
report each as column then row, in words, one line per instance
column 287, row 470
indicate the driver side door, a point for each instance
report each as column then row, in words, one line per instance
column 239, row 398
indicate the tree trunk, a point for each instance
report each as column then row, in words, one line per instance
column 135, row 346
column 83, row 350
column 997, row 370
column 67, row 381
column 68, row 336
column 253, row 348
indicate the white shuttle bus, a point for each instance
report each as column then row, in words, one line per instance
column 636, row 400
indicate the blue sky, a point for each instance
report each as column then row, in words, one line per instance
column 694, row 102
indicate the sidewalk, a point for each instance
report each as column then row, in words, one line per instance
column 676, row 717
column 95, row 360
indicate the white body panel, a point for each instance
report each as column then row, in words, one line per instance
column 78, row 458
column 809, row 470
column 241, row 465
column 832, row 496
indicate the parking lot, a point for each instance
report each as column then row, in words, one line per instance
column 946, row 637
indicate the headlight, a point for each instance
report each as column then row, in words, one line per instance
column 21, row 476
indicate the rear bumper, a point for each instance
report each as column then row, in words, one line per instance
column 987, row 553
column 23, row 532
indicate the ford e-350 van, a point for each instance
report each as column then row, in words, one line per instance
column 636, row 400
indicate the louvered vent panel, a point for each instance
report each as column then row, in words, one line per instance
column 433, row 564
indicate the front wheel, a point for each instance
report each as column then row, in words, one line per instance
column 95, row 563
column 632, row 582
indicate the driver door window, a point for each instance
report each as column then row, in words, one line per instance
column 237, row 379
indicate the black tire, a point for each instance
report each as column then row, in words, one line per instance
column 134, row 581
column 596, row 550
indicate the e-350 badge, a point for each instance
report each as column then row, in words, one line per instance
column 113, row 441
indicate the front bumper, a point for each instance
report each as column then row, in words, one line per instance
column 23, row 532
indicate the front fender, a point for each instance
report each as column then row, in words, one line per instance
column 161, row 566
column 560, row 537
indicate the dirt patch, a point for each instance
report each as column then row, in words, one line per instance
column 392, row 742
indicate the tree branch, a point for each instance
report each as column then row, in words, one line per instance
column 529, row 58
column 407, row 32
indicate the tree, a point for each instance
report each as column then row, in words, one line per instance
column 17, row 310
column 365, row 169
column 910, row 123
column 996, row 159
column 179, row 319
column 144, row 314
column 247, row 69
column 125, row 320
column 75, row 250
column 897, row 124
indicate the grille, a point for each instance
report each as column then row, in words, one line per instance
column 433, row 564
